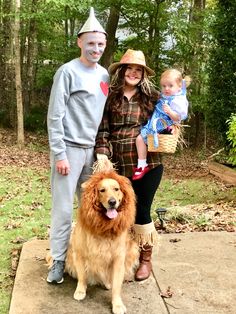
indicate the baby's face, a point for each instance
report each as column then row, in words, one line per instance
column 169, row 86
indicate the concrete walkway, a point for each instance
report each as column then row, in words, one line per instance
column 198, row 268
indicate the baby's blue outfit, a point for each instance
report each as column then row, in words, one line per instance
column 159, row 120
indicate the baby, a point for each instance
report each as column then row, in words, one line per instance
column 171, row 108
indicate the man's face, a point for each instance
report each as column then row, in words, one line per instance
column 92, row 46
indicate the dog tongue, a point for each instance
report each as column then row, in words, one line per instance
column 111, row 213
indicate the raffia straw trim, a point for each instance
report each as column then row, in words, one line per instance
column 180, row 140
column 145, row 234
column 102, row 165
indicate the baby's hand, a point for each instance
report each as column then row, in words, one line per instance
column 166, row 109
column 172, row 114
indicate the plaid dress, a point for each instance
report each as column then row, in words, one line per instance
column 117, row 135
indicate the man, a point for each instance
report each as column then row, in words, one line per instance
column 76, row 104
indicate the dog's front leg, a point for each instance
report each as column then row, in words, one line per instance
column 118, row 273
column 80, row 292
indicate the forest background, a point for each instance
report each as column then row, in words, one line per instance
column 37, row 36
column 196, row 36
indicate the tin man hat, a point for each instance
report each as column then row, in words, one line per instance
column 91, row 25
column 131, row 57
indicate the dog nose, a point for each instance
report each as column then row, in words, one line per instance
column 112, row 202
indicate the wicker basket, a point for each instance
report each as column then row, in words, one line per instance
column 167, row 142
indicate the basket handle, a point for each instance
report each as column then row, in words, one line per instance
column 154, row 123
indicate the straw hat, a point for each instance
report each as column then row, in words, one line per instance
column 91, row 25
column 131, row 57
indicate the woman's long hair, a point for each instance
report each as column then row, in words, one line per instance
column 146, row 95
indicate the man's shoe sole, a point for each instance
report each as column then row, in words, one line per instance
column 54, row 281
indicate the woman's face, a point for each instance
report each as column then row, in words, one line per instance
column 133, row 74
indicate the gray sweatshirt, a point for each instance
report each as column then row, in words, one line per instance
column 76, row 105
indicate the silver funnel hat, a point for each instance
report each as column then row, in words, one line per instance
column 91, row 25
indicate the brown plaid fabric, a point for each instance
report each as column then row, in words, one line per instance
column 117, row 134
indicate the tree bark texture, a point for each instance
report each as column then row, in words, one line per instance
column 7, row 99
column 30, row 56
column 112, row 24
column 19, row 101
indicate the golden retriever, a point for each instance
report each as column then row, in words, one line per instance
column 101, row 248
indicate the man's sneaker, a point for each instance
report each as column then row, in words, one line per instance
column 56, row 272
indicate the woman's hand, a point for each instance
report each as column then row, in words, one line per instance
column 103, row 163
column 102, row 157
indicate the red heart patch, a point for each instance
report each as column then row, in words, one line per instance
column 104, row 88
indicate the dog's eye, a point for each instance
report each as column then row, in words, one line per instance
column 102, row 190
column 117, row 189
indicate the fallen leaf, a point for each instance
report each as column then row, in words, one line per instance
column 167, row 294
column 174, row 240
column 18, row 240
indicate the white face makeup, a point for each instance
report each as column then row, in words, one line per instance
column 92, row 46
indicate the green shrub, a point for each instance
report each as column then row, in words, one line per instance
column 231, row 136
column 36, row 119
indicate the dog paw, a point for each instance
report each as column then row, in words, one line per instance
column 79, row 295
column 119, row 308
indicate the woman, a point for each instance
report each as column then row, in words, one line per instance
column 130, row 102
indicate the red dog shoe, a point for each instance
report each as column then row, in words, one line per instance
column 140, row 172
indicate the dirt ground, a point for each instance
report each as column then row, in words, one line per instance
column 183, row 165
column 186, row 164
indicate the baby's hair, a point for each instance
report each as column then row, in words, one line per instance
column 174, row 74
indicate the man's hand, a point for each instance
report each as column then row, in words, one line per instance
column 63, row 167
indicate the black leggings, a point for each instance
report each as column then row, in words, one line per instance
column 145, row 190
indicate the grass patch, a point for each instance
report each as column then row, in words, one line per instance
column 191, row 191
column 177, row 195
column 24, row 214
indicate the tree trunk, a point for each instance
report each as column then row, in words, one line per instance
column 154, row 36
column 69, row 27
column 112, row 24
column 2, row 61
column 7, row 69
column 194, row 70
column 31, row 56
column 19, row 102
column 197, row 121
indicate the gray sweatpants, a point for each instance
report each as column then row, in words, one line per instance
column 63, row 190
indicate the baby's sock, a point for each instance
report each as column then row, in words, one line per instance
column 142, row 163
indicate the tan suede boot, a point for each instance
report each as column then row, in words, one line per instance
column 145, row 265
